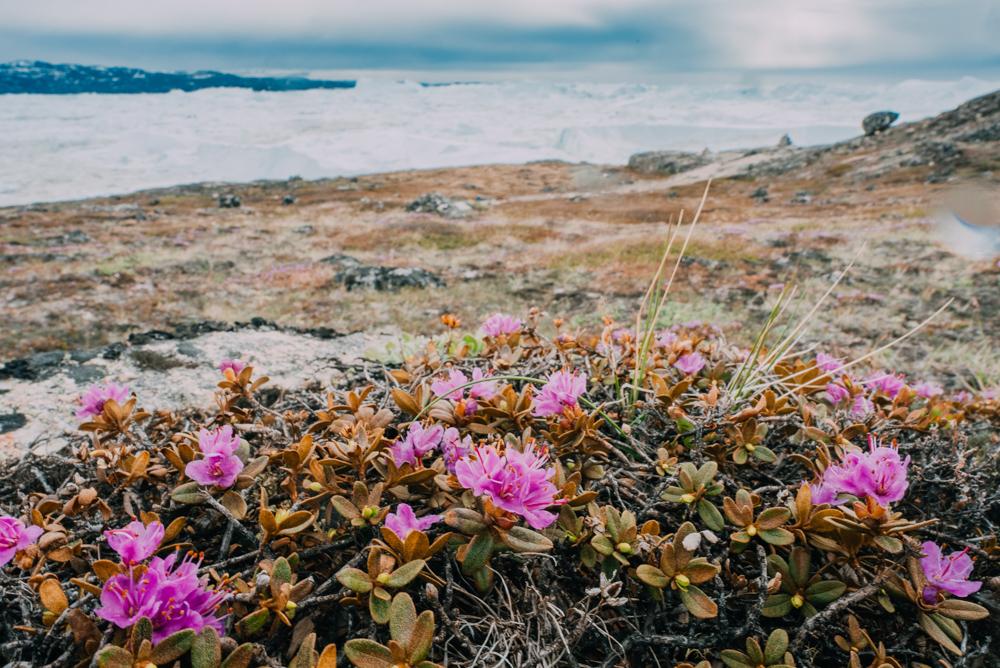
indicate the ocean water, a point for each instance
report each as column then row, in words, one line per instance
column 56, row 147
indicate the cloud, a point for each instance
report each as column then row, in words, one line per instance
column 645, row 35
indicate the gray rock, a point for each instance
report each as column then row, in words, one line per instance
column 229, row 201
column 368, row 277
column 760, row 194
column 85, row 373
column 802, row 197
column 785, row 140
column 441, row 205
column 667, row 162
column 341, row 261
column 288, row 200
column 878, row 122
column 12, row 421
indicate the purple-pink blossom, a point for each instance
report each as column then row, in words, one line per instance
column 950, row 574
column 404, row 521
column 690, row 363
column 500, row 324
column 886, row 383
column 417, row 443
column 518, row 482
column 861, row 407
column 879, row 473
column 928, row 390
column 451, row 388
column 828, row 362
column 93, row 400
column 837, row 393
column 168, row 592
column 236, row 366
column 666, row 338
column 563, row 390
column 14, row 537
column 454, row 447
column 135, row 541
column 219, row 467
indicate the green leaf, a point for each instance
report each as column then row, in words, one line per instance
column 477, row 553
column 776, row 645
column 890, row 544
column 254, row 622
column 422, row 638
column 345, row 508
column 355, row 579
column 307, row 656
column 765, row 454
column 189, row 493
column 736, row 659
column 652, row 576
column 937, row 633
column 602, row 544
column 522, row 539
column 378, row 607
column 281, row 573
column 465, row 520
column 142, row 630
column 239, row 657
column 710, row 515
column 114, row 657
column 777, row 605
column 403, row 575
column 798, row 566
column 483, row 579
column 964, row 610
column 777, row 536
column 172, row 647
column 825, row 591
column 364, row 653
column 697, row 603
column 402, row 618
column 206, row 651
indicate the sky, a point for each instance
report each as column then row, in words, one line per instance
column 602, row 39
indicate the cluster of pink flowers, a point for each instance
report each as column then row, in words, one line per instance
column 885, row 383
column 448, row 388
column 500, row 324
column 419, row 441
column 404, row 521
column 515, row 481
column 93, row 400
column 666, row 338
column 236, row 366
column 828, row 362
column 14, row 537
column 878, row 473
column 690, row 364
column 950, row 574
column 167, row 591
column 563, row 390
column 454, row 447
column 220, row 466
column 928, row 390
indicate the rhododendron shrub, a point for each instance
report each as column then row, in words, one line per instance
column 515, row 481
column 879, row 473
column 562, row 391
column 93, row 400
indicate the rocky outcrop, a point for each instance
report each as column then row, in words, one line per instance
column 354, row 275
column 166, row 370
column 668, row 162
column 880, row 121
column 440, row 205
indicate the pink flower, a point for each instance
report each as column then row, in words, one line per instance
column 878, row 473
column 666, row 339
column 562, row 391
column 404, row 521
column 222, row 441
column 135, row 541
column 928, row 390
column 862, row 407
column 236, row 366
column 837, row 393
column 690, row 364
column 453, row 447
column 500, row 324
column 950, row 574
column 991, row 394
column 93, row 400
column 828, row 362
column 170, row 594
column 963, row 396
column 517, row 482
column 448, row 388
column 417, row 443
column 14, row 537
column 886, row 383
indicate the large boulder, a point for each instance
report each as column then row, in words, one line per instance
column 667, row 162
column 878, row 122
column 440, row 205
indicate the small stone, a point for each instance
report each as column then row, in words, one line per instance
column 878, row 122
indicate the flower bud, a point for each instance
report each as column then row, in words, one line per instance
column 290, row 608
column 687, row 498
column 752, row 530
column 750, row 447
column 797, row 601
column 682, row 580
column 382, row 578
column 314, row 486
column 624, row 548
column 368, row 512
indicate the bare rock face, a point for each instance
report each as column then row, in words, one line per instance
column 166, row 370
column 668, row 162
column 357, row 276
column 440, row 205
column 880, row 121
